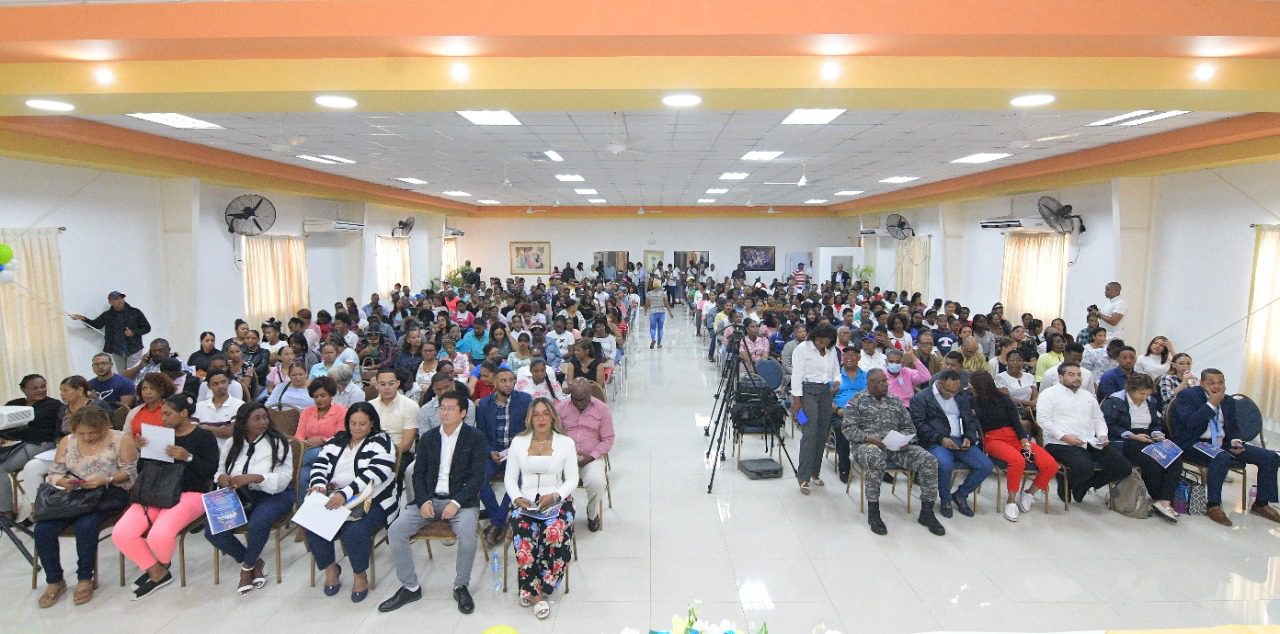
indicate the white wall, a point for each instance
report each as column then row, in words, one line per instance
column 574, row 240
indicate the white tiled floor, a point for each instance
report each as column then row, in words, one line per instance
column 755, row 552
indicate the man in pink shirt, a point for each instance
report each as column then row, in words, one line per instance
column 589, row 423
column 904, row 372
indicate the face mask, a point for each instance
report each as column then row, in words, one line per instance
column 894, row 368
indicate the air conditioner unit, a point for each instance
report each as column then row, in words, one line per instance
column 450, row 232
column 871, row 233
column 1029, row 224
column 318, row 225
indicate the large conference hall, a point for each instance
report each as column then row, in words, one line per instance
column 672, row 316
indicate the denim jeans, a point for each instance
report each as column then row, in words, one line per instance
column 489, row 499
column 657, row 319
column 978, row 463
column 267, row 508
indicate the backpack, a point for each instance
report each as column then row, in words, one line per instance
column 1130, row 498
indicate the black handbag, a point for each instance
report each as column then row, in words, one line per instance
column 53, row 503
column 159, row 485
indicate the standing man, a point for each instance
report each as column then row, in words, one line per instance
column 739, row 273
column 1111, row 312
column 501, row 416
column 946, row 426
column 840, row 278
column 123, row 327
column 447, row 475
column 589, row 423
column 1076, row 435
column 799, row 279
column 113, row 388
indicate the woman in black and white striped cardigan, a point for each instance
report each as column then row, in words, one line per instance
column 356, row 469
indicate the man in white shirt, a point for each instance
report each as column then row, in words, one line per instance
column 1074, row 353
column 235, row 389
column 1075, row 434
column 397, row 413
column 1111, row 312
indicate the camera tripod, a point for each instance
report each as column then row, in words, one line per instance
column 726, row 394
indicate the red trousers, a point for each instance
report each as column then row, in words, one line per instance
column 1004, row 445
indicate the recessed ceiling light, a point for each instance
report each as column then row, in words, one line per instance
column 830, row 70
column 1205, row 72
column 1156, row 117
column 597, row 200
column 411, row 180
column 459, row 71
column 338, row 159
column 717, row 190
column 554, row 155
column 982, row 157
column 487, row 201
column 570, row 178
column 456, row 193
column 706, row 200
column 175, row 120
column 733, row 176
column 898, row 180
column 316, row 159
column 50, row 105
column 761, row 155
column 815, row 201
column 104, row 76
column 682, row 100
column 1054, row 137
column 849, row 192
column 489, row 117
column 812, row 116
column 336, row 101
column 1119, row 118
column 586, row 191
column 1031, row 101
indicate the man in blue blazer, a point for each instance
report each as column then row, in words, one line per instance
column 946, row 426
column 501, row 417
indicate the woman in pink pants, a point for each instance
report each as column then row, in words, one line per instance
column 148, row 535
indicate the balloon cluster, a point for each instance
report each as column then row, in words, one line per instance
column 8, row 265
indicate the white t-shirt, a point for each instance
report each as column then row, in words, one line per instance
column 1019, row 388
column 1150, row 365
column 564, row 341
column 1111, row 308
column 234, row 390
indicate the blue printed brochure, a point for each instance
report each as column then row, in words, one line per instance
column 224, row 510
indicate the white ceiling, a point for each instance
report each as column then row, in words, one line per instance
column 678, row 154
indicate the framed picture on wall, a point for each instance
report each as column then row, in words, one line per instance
column 695, row 259
column 758, row 258
column 530, row 258
column 652, row 259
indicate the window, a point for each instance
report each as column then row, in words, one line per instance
column 33, row 329
column 450, row 254
column 275, row 277
column 1034, row 274
column 1262, row 335
column 913, row 265
column 393, row 262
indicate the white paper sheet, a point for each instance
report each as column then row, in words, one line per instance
column 314, row 517
column 158, row 438
column 895, row 440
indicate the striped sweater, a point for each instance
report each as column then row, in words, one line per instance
column 375, row 468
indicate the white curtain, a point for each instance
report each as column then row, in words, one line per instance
column 1034, row 274
column 913, row 265
column 1262, row 336
column 275, row 277
column 393, row 262
column 33, row 324
column 450, row 262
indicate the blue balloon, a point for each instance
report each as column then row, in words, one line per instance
column 1, row 267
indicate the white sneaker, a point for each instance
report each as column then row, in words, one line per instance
column 1026, row 501
column 1011, row 512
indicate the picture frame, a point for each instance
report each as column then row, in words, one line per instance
column 756, row 258
column 530, row 258
column 652, row 259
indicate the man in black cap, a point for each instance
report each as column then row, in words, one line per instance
column 123, row 326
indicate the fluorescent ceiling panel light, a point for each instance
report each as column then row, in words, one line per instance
column 1054, row 137
column 175, row 120
column 706, row 200
column 982, row 157
column 489, row 117
column 554, row 155
column 1205, row 72
column 1156, row 117
column 570, row 178
column 316, row 159
column 849, row 192
column 1031, row 101
column 338, row 159
column 682, row 100
column 456, row 193
column 815, row 201
column 336, row 101
column 597, row 200
column 50, row 105
column 734, row 176
column 1119, row 118
column 487, row 201
column 717, row 190
column 411, row 181
column 812, row 116
column 898, row 180
column 761, row 155
column 586, row 191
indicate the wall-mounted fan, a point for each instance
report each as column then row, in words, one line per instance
column 404, row 226
column 1058, row 216
column 250, row 215
column 898, row 227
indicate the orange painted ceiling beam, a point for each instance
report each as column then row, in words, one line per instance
column 389, row 28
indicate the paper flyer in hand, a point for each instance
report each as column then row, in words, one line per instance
column 158, row 439
column 224, row 510
column 1163, row 452
column 314, row 517
column 895, row 440
column 1208, row 450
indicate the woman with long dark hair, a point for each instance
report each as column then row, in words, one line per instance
column 258, row 464
column 199, row 360
column 1006, row 440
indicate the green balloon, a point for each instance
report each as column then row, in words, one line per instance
column 6, row 253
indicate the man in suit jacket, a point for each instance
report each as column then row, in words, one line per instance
column 840, row 278
column 501, row 417
column 448, row 472
column 946, row 426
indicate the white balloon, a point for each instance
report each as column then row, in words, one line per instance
column 7, row 276
column 11, row 265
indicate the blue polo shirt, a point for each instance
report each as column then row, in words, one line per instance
column 850, row 386
column 473, row 347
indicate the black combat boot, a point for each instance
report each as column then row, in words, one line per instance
column 873, row 519
column 928, row 520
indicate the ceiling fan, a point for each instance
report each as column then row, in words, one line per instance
column 506, row 179
column 772, row 211
column 804, row 177
column 285, row 143
column 642, row 211
column 531, row 211
column 621, row 144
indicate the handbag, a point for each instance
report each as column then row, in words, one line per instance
column 159, row 485
column 1198, row 500
column 53, row 503
column 1130, row 498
